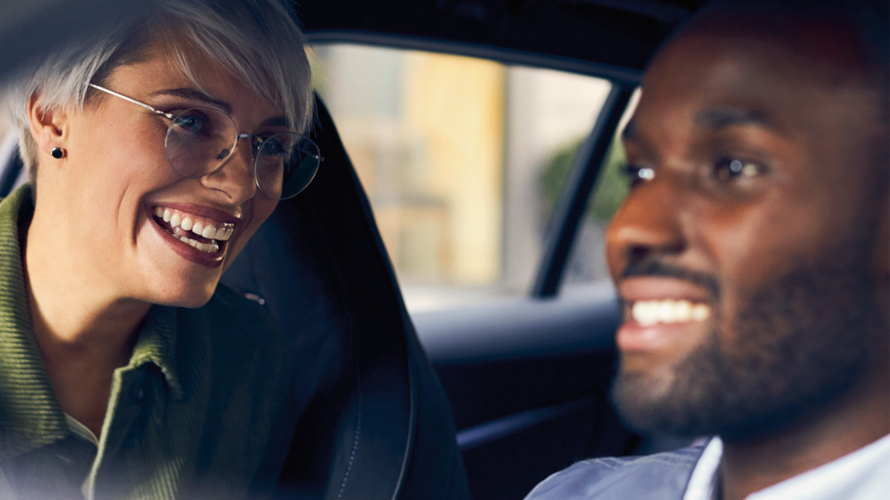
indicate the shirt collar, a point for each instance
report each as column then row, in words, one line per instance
column 703, row 480
column 157, row 345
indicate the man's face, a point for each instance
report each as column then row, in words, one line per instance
column 748, row 265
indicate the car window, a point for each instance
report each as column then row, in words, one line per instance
column 462, row 159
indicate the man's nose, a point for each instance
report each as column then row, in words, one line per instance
column 648, row 223
column 235, row 178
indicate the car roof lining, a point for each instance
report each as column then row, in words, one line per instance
column 620, row 34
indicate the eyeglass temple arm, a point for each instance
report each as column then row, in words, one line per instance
column 134, row 101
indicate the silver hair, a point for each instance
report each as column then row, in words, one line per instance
column 257, row 40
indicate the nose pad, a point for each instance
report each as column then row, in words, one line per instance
column 235, row 176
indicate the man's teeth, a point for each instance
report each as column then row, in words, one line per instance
column 186, row 222
column 650, row 312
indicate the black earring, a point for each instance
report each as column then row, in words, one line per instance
column 57, row 153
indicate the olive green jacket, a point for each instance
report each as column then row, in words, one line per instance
column 202, row 410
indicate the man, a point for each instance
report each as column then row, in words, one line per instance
column 752, row 259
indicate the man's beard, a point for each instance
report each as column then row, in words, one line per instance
column 796, row 344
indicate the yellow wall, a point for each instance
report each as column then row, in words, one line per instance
column 458, row 104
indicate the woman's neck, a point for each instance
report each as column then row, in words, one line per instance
column 84, row 332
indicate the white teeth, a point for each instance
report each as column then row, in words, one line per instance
column 650, row 312
column 224, row 233
column 211, row 247
column 209, row 231
column 700, row 312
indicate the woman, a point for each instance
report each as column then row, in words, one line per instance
column 155, row 152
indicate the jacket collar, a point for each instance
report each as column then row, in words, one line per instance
column 157, row 345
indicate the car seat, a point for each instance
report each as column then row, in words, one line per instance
column 376, row 423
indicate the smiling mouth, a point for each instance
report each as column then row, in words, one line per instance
column 653, row 312
column 200, row 233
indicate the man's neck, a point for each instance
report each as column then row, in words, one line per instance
column 859, row 418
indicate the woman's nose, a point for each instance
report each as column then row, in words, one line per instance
column 235, row 177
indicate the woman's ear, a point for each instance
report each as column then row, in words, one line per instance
column 49, row 126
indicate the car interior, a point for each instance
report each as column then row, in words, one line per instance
column 522, row 379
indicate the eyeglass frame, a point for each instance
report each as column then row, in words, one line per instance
column 256, row 142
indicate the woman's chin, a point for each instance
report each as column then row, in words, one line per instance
column 190, row 297
column 193, row 303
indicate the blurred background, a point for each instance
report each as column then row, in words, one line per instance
column 463, row 160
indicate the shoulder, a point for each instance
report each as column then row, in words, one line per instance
column 661, row 476
column 245, row 319
column 241, row 332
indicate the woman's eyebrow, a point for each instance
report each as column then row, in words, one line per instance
column 195, row 95
column 278, row 121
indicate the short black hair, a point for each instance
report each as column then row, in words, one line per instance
column 870, row 18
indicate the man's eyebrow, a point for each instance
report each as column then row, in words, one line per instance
column 196, row 95
column 717, row 119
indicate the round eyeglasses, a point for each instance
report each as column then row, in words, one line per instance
column 200, row 140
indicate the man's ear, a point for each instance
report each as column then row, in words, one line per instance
column 48, row 126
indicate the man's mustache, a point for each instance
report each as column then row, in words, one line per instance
column 653, row 267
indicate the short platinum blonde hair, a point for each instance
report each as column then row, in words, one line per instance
column 257, row 40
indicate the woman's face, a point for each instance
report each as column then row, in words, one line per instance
column 112, row 190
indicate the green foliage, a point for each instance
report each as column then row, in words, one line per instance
column 611, row 186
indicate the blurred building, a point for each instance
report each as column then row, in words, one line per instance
column 451, row 151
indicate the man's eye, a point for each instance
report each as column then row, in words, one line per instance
column 729, row 169
column 636, row 174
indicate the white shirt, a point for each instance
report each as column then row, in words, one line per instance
column 83, row 432
column 861, row 475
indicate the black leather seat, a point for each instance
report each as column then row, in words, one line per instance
column 376, row 422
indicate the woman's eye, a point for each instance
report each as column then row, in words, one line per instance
column 273, row 146
column 192, row 122
column 729, row 169
column 636, row 174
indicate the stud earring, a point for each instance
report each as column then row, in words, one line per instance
column 57, row 153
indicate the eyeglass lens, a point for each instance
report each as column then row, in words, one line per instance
column 200, row 140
